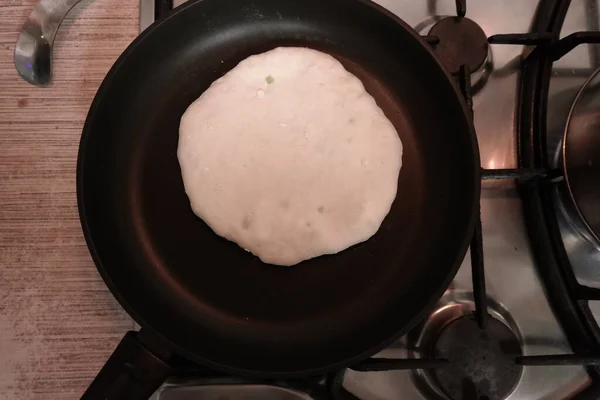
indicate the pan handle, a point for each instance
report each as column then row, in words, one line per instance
column 131, row 373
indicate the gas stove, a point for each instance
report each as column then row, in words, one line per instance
column 518, row 320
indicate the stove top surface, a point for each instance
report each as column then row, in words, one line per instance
column 517, row 300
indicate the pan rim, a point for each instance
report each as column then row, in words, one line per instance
column 460, row 254
column 565, row 158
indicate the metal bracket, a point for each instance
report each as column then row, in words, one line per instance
column 545, row 41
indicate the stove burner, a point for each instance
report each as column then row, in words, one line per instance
column 461, row 42
column 481, row 360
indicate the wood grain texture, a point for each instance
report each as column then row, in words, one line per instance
column 58, row 322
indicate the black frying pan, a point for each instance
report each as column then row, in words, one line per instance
column 202, row 296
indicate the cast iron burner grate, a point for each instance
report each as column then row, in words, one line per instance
column 480, row 361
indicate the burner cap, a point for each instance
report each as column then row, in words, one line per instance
column 481, row 360
column 461, row 42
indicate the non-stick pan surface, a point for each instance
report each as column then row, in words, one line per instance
column 211, row 300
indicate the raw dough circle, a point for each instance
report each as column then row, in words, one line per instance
column 288, row 156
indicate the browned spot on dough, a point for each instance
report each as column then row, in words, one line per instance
column 22, row 102
column 246, row 222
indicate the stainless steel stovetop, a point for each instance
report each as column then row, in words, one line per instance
column 516, row 293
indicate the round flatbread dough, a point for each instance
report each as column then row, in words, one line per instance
column 288, row 156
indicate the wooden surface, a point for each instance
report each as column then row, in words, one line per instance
column 58, row 322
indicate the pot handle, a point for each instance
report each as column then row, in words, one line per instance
column 131, row 373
